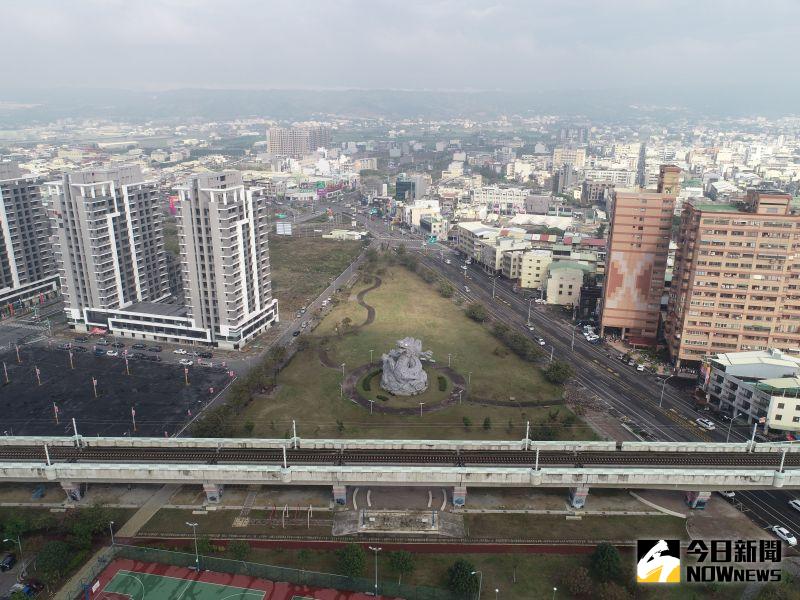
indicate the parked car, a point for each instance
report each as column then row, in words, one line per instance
column 540, row 301
column 466, row 289
column 117, row 345
column 784, row 534
column 640, row 367
column 795, row 504
column 112, row 353
column 205, row 354
column 186, row 362
column 9, row 560
column 727, row 495
column 82, row 339
column 99, row 352
column 706, row 424
column 138, row 346
column 179, row 351
column 103, row 342
column 154, row 349
column 79, row 349
column 530, row 327
column 139, row 355
column 541, row 341
column 63, row 347
column 295, row 333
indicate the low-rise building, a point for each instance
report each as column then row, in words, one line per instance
column 564, row 282
column 527, row 267
column 754, row 385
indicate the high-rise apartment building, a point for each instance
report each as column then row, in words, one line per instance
column 299, row 140
column 223, row 229
column 563, row 155
column 27, row 269
column 108, row 240
column 638, row 243
column 736, row 281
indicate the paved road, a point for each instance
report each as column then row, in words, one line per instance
column 635, row 395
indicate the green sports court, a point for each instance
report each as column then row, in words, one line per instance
column 145, row 586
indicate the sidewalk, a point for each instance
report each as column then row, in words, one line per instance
column 146, row 512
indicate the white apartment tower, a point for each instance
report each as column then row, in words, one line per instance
column 108, row 240
column 223, row 229
column 27, row 269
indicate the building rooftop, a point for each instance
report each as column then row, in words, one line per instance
column 716, row 207
column 157, row 308
column 773, row 356
column 781, row 385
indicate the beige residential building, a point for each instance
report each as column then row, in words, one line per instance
column 736, row 281
column 489, row 253
column 564, row 155
column 638, row 243
column 527, row 267
column 564, row 281
column 222, row 229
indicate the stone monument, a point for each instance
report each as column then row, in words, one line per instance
column 402, row 368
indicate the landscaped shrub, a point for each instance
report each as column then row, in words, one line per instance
column 442, row 383
column 381, row 397
column 365, row 384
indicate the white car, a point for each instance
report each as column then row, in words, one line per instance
column 705, row 424
column 795, row 504
column 540, row 301
column 179, row 351
column 112, row 353
column 727, row 495
column 530, row 327
column 640, row 367
column 784, row 534
column 466, row 289
column 186, row 362
column 541, row 341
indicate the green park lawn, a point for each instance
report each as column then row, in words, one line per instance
column 407, row 306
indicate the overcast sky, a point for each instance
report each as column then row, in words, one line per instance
column 408, row 44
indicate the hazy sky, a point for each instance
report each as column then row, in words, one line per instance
column 409, row 44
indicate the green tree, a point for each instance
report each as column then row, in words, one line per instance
column 460, row 578
column 558, row 372
column 578, row 582
column 605, row 563
column 18, row 595
column 239, row 549
column 446, row 290
column 601, row 230
column 477, row 312
column 612, row 591
column 86, row 524
column 204, row 545
column 487, row 423
column 467, row 423
column 402, row 563
column 53, row 560
column 352, row 561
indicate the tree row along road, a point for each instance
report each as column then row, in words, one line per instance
column 632, row 394
column 568, row 458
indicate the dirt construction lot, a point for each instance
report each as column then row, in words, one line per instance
column 155, row 391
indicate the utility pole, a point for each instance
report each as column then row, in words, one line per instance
column 421, row 404
column 530, row 302
column 663, row 385
column 376, row 550
column 196, row 553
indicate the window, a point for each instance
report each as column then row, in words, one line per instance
column 778, row 417
column 781, row 405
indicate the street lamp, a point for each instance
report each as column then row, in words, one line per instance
column 496, row 591
column 111, row 529
column 370, row 356
column 196, row 552
column 19, row 543
column 530, row 301
column 663, row 385
column 376, row 550
column 480, row 581
column 735, row 416
column 555, row 589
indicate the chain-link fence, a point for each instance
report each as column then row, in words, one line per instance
column 75, row 588
column 275, row 573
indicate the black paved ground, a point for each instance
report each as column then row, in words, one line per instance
column 157, row 391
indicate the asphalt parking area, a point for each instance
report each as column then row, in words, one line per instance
column 156, row 392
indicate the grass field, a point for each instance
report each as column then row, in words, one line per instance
column 407, row 306
column 303, row 267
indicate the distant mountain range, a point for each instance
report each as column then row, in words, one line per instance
column 18, row 107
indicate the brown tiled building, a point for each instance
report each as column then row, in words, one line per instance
column 638, row 244
column 736, row 283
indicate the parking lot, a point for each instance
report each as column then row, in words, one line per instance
column 156, row 392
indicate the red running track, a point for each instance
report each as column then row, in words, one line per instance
column 273, row 590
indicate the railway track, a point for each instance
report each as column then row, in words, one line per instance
column 274, row 456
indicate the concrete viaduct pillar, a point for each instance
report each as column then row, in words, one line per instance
column 459, row 495
column 213, row 492
column 697, row 500
column 340, row 494
column 73, row 490
column 577, row 496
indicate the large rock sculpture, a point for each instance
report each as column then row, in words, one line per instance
column 402, row 368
